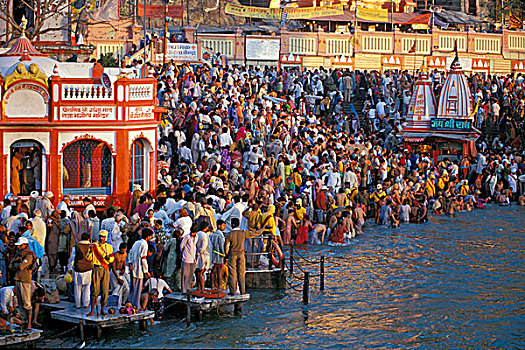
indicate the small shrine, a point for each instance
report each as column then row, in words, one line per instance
column 443, row 129
column 75, row 129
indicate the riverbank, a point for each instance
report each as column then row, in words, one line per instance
column 451, row 283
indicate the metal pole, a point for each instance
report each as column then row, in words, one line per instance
column 165, row 31
column 355, row 29
column 81, row 326
column 321, row 282
column 392, row 14
column 306, row 286
column 188, row 309
column 188, row 12
column 144, row 53
column 291, row 259
column 269, row 248
column 433, row 15
column 502, row 16
column 392, row 24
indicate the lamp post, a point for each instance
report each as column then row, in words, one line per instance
column 144, row 53
column 165, row 43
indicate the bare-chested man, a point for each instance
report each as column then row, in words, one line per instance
column 119, row 277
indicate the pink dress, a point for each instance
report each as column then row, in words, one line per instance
column 287, row 234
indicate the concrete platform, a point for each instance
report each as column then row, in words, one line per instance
column 19, row 339
column 199, row 306
column 79, row 316
column 63, row 304
column 71, row 315
column 263, row 278
column 207, row 304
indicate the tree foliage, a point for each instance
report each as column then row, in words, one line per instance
column 108, row 60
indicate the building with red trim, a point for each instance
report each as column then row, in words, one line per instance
column 74, row 129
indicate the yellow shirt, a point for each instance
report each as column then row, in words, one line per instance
column 431, row 187
column 300, row 213
column 106, row 253
column 254, row 219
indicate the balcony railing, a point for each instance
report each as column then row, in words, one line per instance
column 86, row 92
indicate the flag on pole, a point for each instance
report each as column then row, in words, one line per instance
column 354, row 41
column 413, row 48
column 475, row 110
column 515, row 21
column 109, row 11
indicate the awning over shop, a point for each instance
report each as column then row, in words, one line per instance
column 421, row 19
column 420, row 136
column 455, row 18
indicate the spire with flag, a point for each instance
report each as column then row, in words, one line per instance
column 515, row 22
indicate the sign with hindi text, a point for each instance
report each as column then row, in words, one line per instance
column 158, row 11
column 450, row 124
column 375, row 15
column 253, row 12
column 314, row 12
column 261, row 49
column 182, row 52
column 286, row 13
column 140, row 113
column 87, row 113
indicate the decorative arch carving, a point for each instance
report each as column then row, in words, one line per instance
column 85, row 137
column 140, row 137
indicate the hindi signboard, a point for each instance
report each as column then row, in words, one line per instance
column 182, row 52
column 263, row 49
column 450, row 124
column 375, row 15
column 87, row 113
column 140, row 113
column 16, row 98
column 253, row 12
column 158, row 11
column 277, row 13
column 314, row 12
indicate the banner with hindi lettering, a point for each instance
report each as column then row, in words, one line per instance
column 277, row 13
column 374, row 15
column 450, row 124
column 314, row 12
column 158, row 11
column 253, row 12
column 182, row 52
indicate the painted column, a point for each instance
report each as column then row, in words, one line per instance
column 55, row 167
column 121, row 167
column 3, row 168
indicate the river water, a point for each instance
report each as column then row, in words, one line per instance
column 451, row 283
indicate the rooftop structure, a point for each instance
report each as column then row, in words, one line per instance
column 66, row 128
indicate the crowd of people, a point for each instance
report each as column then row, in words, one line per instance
column 247, row 153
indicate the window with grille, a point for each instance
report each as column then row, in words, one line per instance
column 87, row 168
column 137, row 163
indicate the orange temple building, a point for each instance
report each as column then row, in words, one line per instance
column 443, row 129
column 74, row 129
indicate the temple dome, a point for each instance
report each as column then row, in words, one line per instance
column 21, row 47
column 422, row 106
column 455, row 100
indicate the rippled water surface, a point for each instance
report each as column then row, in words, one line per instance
column 452, row 283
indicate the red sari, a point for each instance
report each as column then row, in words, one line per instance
column 302, row 235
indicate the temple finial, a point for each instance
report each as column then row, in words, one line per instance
column 24, row 25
